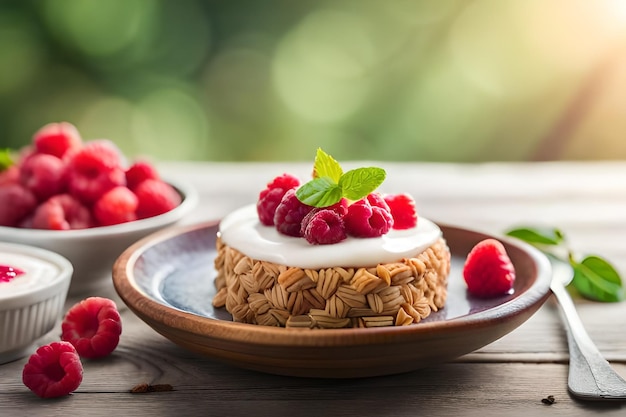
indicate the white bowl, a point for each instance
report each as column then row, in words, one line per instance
column 93, row 251
column 30, row 304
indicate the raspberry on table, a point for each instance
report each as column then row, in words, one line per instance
column 57, row 139
column 54, row 370
column 17, row 203
column 118, row 205
column 290, row 213
column 94, row 169
column 155, row 197
column 43, row 174
column 93, row 326
column 323, row 227
column 139, row 171
column 403, row 210
column 365, row 220
column 62, row 212
column 488, row 270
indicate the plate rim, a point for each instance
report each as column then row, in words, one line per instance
column 148, row 309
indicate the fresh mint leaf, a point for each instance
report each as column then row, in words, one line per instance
column 358, row 183
column 330, row 184
column 597, row 280
column 319, row 192
column 326, row 166
column 537, row 236
column 5, row 159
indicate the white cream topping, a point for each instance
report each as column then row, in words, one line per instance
column 243, row 231
column 36, row 272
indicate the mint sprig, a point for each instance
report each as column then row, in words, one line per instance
column 594, row 277
column 330, row 184
column 5, row 159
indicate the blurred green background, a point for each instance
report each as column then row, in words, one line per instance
column 429, row 80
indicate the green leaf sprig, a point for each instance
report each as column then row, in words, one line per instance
column 594, row 277
column 5, row 159
column 330, row 184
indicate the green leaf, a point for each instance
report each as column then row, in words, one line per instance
column 537, row 236
column 358, row 183
column 326, row 166
column 596, row 279
column 319, row 192
column 330, row 183
column 5, row 159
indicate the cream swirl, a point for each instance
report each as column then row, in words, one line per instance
column 242, row 230
column 36, row 271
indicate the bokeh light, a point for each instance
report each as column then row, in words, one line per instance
column 100, row 29
column 321, row 66
column 165, row 116
column 446, row 80
column 20, row 52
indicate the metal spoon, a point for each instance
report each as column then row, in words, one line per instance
column 590, row 375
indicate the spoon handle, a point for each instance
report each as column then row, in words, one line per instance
column 590, row 375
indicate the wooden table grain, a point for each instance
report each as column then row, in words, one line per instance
column 511, row 376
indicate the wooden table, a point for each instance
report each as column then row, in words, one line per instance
column 508, row 377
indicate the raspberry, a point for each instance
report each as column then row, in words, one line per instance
column 284, row 181
column 26, row 222
column 340, row 207
column 139, row 171
column 155, row 197
column 54, row 370
column 323, row 227
column 270, row 197
column 93, row 326
column 289, row 214
column 62, row 212
column 93, row 170
column 117, row 205
column 365, row 220
column 43, row 174
column 403, row 211
column 10, row 175
column 16, row 203
column 488, row 270
column 56, row 139
column 377, row 200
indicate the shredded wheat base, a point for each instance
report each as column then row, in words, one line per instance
column 393, row 294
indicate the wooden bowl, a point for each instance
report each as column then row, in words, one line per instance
column 166, row 279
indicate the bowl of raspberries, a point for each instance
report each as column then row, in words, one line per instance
column 84, row 200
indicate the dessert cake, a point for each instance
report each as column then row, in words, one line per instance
column 320, row 255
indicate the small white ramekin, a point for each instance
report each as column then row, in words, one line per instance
column 31, row 304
